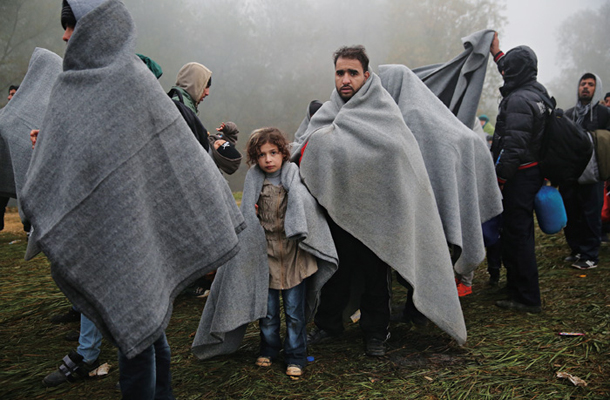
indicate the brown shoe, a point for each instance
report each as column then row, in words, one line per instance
column 263, row 361
column 294, row 370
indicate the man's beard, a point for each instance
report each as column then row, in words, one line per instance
column 585, row 98
column 344, row 97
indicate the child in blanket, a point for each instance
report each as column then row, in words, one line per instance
column 289, row 265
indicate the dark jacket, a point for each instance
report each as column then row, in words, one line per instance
column 201, row 134
column 597, row 118
column 522, row 114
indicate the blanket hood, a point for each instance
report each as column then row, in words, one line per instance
column 139, row 210
column 22, row 114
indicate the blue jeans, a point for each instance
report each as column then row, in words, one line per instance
column 147, row 376
column 295, row 344
column 89, row 341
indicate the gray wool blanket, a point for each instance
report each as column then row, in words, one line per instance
column 125, row 203
column 458, row 83
column 363, row 165
column 458, row 162
column 239, row 292
column 22, row 114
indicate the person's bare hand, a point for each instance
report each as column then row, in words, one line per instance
column 34, row 136
column 495, row 45
column 219, row 143
column 221, row 128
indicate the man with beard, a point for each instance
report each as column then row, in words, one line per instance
column 515, row 149
column 584, row 202
column 362, row 164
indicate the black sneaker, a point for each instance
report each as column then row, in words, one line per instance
column 515, row 305
column 585, row 264
column 71, row 316
column 572, row 258
column 375, row 347
column 73, row 368
column 317, row 335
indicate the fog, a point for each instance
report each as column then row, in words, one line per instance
column 270, row 58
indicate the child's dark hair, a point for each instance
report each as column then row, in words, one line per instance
column 266, row 135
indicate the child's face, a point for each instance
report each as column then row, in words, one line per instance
column 269, row 158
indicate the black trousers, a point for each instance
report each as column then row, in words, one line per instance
column 494, row 259
column 358, row 266
column 518, row 245
column 584, row 207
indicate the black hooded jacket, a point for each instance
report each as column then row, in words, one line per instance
column 522, row 114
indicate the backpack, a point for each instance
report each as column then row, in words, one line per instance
column 566, row 147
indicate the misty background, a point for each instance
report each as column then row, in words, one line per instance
column 270, row 58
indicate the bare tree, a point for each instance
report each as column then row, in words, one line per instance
column 24, row 25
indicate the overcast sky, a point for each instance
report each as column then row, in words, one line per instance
column 535, row 23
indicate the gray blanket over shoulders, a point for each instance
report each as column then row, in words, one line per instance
column 125, row 203
column 363, row 165
column 239, row 292
column 22, row 114
column 458, row 162
column 458, row 83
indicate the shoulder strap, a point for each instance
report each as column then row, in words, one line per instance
column 173, row 92
column 551, row 103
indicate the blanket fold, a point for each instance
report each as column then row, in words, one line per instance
column 363, row 165
column 239, row 292
column 459, row 83
column 125, row 203
column 458, row 163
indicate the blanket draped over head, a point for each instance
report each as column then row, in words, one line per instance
column 458, row 83
column 240, row 289
column 22, row 114
column 458, row 162
column 364, row 167
column 124, row 202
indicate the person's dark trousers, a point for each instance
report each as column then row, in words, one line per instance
column 583, row 208
column 410, row 312
column 518, row 244
column 356, row 262
column 147, row 376
column 3, row 203
column 295, row 343
column 494, row 259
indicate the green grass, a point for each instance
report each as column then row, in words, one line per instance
column 508, row 355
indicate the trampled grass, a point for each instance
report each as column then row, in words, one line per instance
column 508, row 355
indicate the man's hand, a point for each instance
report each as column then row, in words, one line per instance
column 495, row 45
column 34, row 136
column 221, row 127
column 219, row 143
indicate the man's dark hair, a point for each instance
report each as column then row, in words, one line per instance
column 12, row 87
column 607, row 95
column 209, row 83
column 353, row 53
column 588, row 75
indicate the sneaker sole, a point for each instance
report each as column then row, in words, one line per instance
column 583, row 268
